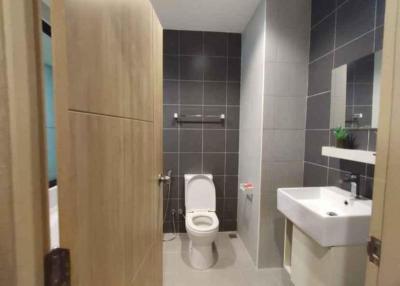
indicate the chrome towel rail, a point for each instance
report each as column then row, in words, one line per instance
column 199, row 118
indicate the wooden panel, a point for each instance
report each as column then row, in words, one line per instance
column 150, row 272
column 140, row 197
column 384, row 133
column 390, row 261
column 109, row 57
column 158, row 106
column 115, row 204
column 97, row 189
column 7, row 261
column 23, row 195
column 109, row 141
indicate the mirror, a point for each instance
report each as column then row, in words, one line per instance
column 356, row 93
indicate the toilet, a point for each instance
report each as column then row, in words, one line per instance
column 201, row 220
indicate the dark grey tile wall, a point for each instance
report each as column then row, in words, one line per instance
column 202, row 76
column 342, row 31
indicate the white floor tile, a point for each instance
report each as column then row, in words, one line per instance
column 234, row 266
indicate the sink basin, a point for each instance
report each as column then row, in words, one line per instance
column 327, row 214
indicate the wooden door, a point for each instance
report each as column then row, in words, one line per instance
column 386, row 202
column 23, row 177
column 107, row 63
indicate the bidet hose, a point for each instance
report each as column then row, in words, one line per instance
column 169, row 173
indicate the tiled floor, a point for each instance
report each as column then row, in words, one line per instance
column 234, row 266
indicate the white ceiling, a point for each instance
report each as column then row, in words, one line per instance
column 205, row 15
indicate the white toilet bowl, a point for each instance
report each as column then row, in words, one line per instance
column 201, row 220
column 202, row 229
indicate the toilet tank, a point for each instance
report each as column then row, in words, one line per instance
column 199, row 193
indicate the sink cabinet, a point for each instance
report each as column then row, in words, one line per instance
column 312, row 264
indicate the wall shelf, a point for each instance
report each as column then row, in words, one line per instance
column 362, row 156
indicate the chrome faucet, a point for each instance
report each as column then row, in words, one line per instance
column 354, row 180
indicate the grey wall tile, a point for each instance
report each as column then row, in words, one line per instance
column 171, row 67
column 283, row 145
column 363, row 93
column 354, row 18
column 315, row 176
column 172, row 191
column 190, row 140
column 315, row 140
column 234, row 45
column 232, row 163
column 372, row 141
column 232, row 117
column 228, row 225
column 318, row 111
column 171, row 162
column 169, row 120
column 281, row 175
column 190, row 111
column 233, row 96
column 230, row 209
column 191, row 43
column 379, row 39
column 289, row 112
column 360, row 138
column 321, row 9
column 168, row 206
column 214, row 141
column 231, row 186
column 171, row 92
column 215, row 44
column 214, row 163
column 232, row 140
column 191, row 67
column 234, row 69
column 278, row 75
column 356, row 36
column 367, row 186
column 347, row 166
column 198, row 68
column 215, row 93
column 215, row 69
column 171, row 42
column 191, row 92
column 380, row 13
column 355, row 50
column 215, row 111
column 322, row 38
column 337, row 178
column 190, row 163
column 171, row 140
column 370, row 171
column 320, row 75
column 219, row 183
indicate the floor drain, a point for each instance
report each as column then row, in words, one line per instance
column 332, row 214
column 232, row 235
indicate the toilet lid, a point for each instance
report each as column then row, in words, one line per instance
column 199, row 193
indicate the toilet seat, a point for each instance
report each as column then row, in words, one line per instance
column 202, row 222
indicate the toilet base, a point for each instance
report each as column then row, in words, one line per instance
column 201, row 256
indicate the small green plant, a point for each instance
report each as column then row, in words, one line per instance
column 341, row 133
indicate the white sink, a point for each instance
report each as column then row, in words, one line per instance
column 327, row 214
